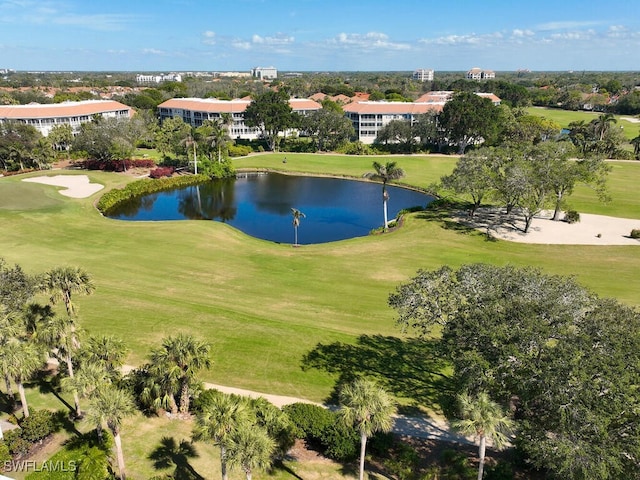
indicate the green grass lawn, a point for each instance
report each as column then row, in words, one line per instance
column 565, row 117
column 261, row 305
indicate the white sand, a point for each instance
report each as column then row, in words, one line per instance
column 591, row 230
column 75, row 186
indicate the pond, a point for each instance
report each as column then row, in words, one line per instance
column 260, row 205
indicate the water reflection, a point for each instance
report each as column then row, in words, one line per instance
column 260, row 205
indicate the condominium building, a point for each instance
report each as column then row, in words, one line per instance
column 46, row 116
column 265, row 73
column 369, row 118
column 423, row 75
column 479, row 74
column 194, row 111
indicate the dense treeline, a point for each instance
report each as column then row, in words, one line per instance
column 612, row 92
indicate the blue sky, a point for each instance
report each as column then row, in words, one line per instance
column 319, row 35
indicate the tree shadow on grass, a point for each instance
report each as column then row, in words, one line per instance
column 443, row 215
column 48, row 384
column 410, row 368
column 171, row 453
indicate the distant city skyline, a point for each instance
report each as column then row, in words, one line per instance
column 319, row 35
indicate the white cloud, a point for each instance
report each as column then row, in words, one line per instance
column 371, row 40
column 471, row 39
column 566, row 25
column 517, row 33
column 209, row 37
column 278, row 39
column 153, row 51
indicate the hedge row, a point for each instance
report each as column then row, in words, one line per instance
column 145, row 186
column 115, row 165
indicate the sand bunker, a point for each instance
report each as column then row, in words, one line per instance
column 76, row 186
column 591, row 230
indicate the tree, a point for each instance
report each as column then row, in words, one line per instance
column 60, row 335
column 426, row 127
column 271, row 112
column 369, row 409
column 328, row 128
column 250, row 449
column 107, row 139
column 216, row 135
column 568, row 361
column 467, row 119
column 169, row 137
column 385, row 173
column 472, row 175
column 297, row 215
column 16, row 287
column 602, row 124
column 484, row 419
column 20, row 360
column 111, row 406
column 399, row 133
column 220, row 416
column 106, row 352
column 62, row 282
column 182, row 357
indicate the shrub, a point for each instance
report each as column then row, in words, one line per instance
column 161, row 172
column 239, row 150
column 5, row 455
column 572, row 216
column 17, row 445
column 310, row 421
column 38, row 425
column 340, row 442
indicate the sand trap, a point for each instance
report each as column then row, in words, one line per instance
column 76, row 186
column 591, row 230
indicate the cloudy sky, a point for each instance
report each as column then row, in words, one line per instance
column 319, row 35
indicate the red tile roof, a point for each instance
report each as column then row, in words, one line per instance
column 65, row 109
column 392, row 108
column 213, row 105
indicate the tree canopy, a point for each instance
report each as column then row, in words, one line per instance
column 271, row 112
column 566, row 361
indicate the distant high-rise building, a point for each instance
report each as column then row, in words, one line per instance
column 423, row 75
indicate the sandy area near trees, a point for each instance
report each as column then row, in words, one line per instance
column 590, row 230
column 74, row 186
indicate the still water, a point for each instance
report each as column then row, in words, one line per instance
column 260, row 205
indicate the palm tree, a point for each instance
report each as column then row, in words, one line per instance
column 385, row 173
column 110, row 406
column 297, row 215
column 159, row 387
column 369, row 408
column 250, row 449
column 221, row 415
column 61, row 282
column 105, row 351
column 483, row 418
column 24, row 360
column 182, row 357
column 218, row 136
column 602, row 124
column 9, row 330
column 60, row 335
column 190, row 141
